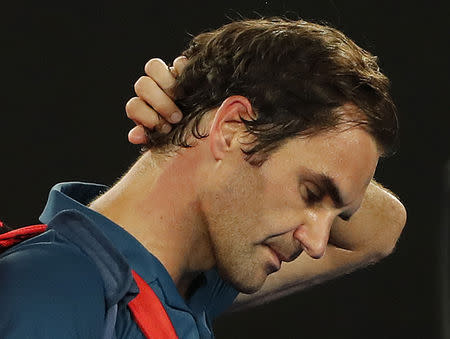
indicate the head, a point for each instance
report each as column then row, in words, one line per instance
column 300, row 115
column 296, row 75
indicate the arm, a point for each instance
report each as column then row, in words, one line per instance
column 369, row 236
column 375, row 227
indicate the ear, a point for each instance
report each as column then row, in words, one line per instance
column 227, row 125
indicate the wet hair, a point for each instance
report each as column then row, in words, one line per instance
column 296, row 75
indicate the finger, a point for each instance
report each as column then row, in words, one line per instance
column 160, row 73
column 138, row 111
column 137, row 135
column 179, row 63
column 173, row 71
column 153, row 95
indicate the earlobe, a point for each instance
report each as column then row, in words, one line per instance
column 227, row 125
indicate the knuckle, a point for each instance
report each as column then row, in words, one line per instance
column 138, row 84
column 150, row 119
column 163, row 108
column 179, row 63
column 130, row 113
column 132, row 102
column 153, row 120
column 143, row 84
column 153, row 64
column 131, row 105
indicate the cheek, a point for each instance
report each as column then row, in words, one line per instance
column 251, row 206
column 281, row 205
column 280, row 182
column 227, row 216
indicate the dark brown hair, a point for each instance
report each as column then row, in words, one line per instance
column 296, row 74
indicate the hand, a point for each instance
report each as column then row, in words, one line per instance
column 154, row 107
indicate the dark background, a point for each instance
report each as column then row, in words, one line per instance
column 68, row 70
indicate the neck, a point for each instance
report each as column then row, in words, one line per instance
column 161, row 209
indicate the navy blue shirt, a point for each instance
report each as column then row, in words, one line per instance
column 53, row 285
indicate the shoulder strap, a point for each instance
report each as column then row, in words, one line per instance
column 16, row 236
column 149, row 313
column 4, row 228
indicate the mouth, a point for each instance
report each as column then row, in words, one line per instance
column 275, row 260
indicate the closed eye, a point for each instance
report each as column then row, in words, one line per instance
column 312, row 198
column 313, row 193
column 344, row 217
column 310, row 195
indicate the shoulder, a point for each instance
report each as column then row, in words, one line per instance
column 50, row 289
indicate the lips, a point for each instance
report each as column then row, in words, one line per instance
column 279, row 255
column 282, row 257
column 276, row 260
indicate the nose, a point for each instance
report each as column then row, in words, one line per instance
column 314, row 233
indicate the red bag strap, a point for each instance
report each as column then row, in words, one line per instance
column 13, row 237
column 149, row 313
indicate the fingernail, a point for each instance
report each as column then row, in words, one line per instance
column 176, row 117
column 165, row 128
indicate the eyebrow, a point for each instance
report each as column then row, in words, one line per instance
column 328, row 187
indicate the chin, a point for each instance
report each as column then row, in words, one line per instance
column 247, row 283
column 248, row 289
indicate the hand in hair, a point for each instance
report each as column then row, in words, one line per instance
column 153, row 107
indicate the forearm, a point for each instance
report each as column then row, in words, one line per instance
column 375, row 227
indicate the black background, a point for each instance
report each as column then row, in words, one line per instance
column 69, row 68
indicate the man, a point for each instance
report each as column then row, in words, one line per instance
column 263, row 188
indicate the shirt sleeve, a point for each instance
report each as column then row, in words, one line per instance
column 50, row 290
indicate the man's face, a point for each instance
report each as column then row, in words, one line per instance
column 257, row 216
